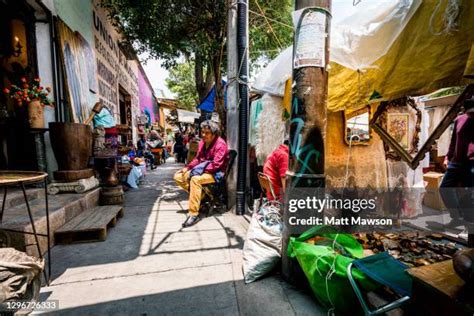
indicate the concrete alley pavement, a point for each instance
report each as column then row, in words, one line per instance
column 150, row 265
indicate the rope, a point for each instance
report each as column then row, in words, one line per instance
column 269, row 25
column 332, row 270
column 349, row 155
column 271, row 19
column 451, row 14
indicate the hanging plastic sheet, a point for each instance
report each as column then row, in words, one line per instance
column 273, row 78
column 356, row 41
column 366, row 35
column 416, row 63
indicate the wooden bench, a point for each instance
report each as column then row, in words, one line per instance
column 90, row 225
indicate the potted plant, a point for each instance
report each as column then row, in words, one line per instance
column 34, row 96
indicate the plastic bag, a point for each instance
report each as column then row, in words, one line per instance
column 325, row 266
column 262, row 249
column 20, row 275
column 104, row 118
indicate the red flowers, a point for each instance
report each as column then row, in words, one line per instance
column 29, row 92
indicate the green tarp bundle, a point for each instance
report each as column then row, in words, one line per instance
column 325, row 265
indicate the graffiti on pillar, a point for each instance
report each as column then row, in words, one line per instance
column 306, row 154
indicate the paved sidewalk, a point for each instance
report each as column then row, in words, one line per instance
column 149, row 265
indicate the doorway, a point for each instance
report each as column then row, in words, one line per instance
column 17, row 60
column 125, row 107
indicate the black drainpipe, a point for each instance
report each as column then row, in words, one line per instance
column 56, row 72
column 242, row 11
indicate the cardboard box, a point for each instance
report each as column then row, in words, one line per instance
column 433, row 179
column 433, row 199
column 432, row 196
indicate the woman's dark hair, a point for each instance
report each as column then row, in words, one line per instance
column 468, row 104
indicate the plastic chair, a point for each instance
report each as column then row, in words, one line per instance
column 386, row 270
column 266, row 186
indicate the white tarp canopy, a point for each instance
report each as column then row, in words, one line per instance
column 359, row 36
column 187, row 116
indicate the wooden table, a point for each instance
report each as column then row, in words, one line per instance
column 10, row 178
column 438, row 290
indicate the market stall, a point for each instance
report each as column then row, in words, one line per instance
column 384, row 132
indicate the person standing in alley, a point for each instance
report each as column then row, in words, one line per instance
column 207, row 167
column 178, row 147
column 459, row 164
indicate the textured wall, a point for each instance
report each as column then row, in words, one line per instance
column 367, row 164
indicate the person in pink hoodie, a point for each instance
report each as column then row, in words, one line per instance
column 459, row 164
column 207, row 167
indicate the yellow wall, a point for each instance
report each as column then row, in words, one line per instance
column 367, row 164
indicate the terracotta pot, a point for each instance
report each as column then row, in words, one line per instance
column 463, row 262
column 111, row 179
column 36, row 114
column 72, row 145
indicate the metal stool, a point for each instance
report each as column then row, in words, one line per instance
column 13, row 178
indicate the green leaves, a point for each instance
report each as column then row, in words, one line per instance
column 170, row 29
column 270, row 28
column 181, row 81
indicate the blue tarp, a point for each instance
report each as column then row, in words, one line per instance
column 208, row 103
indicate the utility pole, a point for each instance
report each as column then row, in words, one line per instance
column 232, row 96
column 242, row 45
column 308, row 111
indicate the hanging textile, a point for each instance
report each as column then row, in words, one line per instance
column 436, row 114
column 270, row 127
column 255, row 110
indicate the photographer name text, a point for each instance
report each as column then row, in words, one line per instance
column 339, row 221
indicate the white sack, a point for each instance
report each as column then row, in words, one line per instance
column 262, row 248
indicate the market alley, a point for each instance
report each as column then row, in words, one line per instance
column 149, row 265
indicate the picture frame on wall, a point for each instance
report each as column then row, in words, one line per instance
column 414, row 155
column 398, row 126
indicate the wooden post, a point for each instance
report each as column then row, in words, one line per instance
column 308, row 110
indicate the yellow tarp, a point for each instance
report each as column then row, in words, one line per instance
column 417, row 63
